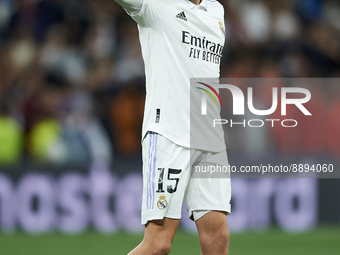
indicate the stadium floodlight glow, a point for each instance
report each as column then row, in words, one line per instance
column 239, row 100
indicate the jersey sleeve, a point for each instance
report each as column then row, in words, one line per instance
column 144, row 12
column 131, row 6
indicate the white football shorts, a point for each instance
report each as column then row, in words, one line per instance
column 167, row 181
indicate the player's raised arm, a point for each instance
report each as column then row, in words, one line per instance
column 146, row 15
column 131, row 6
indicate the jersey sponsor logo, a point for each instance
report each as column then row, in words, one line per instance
column 162, row 203
column 202, row 48
column 181, row 16
column 222, row 28
column 201, row 42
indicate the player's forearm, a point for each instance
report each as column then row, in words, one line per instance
column 131, row 6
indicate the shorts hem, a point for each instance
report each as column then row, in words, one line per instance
column 145, row 221
column 225, row 210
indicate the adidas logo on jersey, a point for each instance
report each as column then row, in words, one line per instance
column 182, row 16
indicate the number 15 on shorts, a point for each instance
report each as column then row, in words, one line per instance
column 172, row 180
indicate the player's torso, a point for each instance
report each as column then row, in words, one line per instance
column 185, row 42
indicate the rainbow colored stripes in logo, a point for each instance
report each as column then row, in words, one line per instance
column 209, row 93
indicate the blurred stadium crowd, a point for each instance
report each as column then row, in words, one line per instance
column 72, row 75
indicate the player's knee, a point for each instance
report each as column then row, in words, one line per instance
column 158, row 247
column 163, row 248
column 218, row 240
column 225, row 237
column 222, row 241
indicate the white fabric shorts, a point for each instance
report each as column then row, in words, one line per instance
column 167, row 181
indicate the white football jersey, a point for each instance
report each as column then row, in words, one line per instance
column 181, row 40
